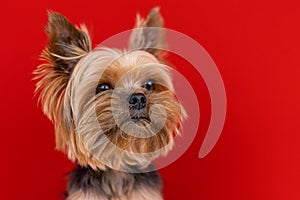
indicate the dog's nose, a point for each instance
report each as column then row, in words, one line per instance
column 137, row 101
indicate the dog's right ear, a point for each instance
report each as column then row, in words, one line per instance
column 67, row 45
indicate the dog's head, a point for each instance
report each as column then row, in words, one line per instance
column 109, row 107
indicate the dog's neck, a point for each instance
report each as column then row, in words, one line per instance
column 111, row 183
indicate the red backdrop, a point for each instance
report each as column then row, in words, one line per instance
column 256, row 47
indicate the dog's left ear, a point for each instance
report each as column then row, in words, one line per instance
column 149, row 34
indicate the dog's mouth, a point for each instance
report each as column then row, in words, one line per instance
column 140, row 119
column 139, row 115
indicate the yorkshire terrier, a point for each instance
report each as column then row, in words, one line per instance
column 114, row 111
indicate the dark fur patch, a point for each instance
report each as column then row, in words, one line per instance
column 111, row 183
column 65, row 40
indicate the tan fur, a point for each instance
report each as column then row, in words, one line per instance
column 135, row 194
column 145, row 194
column 88, row 195
column 52, row 83
column 98, row 130
column 152, row 40
column 58, row 88
column 94, row 136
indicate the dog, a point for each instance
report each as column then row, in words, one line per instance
column 114, row 111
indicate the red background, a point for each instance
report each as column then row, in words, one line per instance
column 255, row 45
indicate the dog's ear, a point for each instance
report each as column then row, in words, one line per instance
column 67, row 45
column 149, row 34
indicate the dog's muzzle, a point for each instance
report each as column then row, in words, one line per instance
column 137, row 106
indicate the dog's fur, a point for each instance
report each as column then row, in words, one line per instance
column 97, row 128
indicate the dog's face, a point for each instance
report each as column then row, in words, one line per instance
column 110, row 108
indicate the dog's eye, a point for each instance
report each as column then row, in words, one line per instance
column 149, row 85
column 103, row 87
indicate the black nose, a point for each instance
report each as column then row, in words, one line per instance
column 137, row 101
